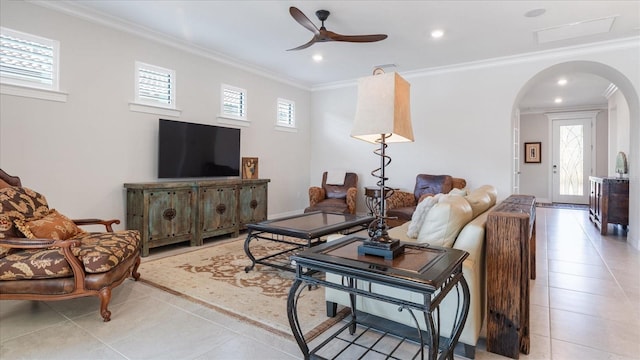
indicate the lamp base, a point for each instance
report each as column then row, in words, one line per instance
column 388, row 249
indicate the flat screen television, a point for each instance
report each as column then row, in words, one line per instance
column 188, row 150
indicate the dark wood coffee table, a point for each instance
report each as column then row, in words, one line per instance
column 299, row 232
column 430, row 271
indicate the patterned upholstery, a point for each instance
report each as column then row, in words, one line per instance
column 98, row 252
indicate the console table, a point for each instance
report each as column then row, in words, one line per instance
column 173, row 212
column 608, row 202
column 511, row 262
column 430, row 271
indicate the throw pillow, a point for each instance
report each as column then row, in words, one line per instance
column 458, row 192
column 19, row 203
column 419, row 214
column 52, row 226
column 444, row 221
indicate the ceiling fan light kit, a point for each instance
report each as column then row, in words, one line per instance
column 322, row 34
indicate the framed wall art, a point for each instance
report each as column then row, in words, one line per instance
column 532, row 152
column 249, row 167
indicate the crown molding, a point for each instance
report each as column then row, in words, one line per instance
column 82, row 12
column 572, row 51
column 551, row 110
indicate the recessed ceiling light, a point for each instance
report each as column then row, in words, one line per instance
column 535, row 12
column 317, row 57
column 557, row 100
column 436, row 34
column 562, row 82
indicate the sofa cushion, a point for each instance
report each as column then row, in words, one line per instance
column 19, row 203
column 51, row 226
column 98, row 253
column 34, row 264
column 445, row 220
column 479, row 200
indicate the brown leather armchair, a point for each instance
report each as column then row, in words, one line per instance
column 340, row 198
column 70, row 262
column 402, row 204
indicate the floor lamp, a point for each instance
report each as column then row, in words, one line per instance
column 383, row 116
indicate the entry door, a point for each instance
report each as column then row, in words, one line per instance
column 572, row 154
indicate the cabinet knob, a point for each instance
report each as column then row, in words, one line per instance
column 169, row 214
column 220, row 209
column 253, row 204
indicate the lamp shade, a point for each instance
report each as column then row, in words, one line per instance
column 383, row 108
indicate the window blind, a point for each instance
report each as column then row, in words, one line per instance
column 286, row 113
column 156, row 85
column 28, row 60
column 234, row 102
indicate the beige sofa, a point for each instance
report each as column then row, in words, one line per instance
column 455, row 220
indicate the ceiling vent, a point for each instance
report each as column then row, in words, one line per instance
column 575, row 30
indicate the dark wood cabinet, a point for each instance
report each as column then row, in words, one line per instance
column 172, row 212
column 510, row 257
column 163, row 213
column 253, row 196
column 217, row 204
column 608, row 202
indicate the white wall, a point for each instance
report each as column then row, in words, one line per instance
column 80, row 152
column 461, row 120
column 618, row 128
column 534, row 177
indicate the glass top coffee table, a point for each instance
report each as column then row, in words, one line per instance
column 298, row 232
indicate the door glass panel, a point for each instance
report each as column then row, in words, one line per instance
column 571, row 160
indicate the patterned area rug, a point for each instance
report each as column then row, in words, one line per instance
column 214, row 276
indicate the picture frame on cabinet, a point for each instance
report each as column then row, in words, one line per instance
column 249, row 167
column 532, row 152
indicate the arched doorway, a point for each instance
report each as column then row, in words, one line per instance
column 631, row 95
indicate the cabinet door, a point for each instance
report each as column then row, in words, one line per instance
column 253, row 203
column 217, row 208
column 170, row 213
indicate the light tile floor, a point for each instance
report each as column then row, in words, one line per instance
column 585, row 304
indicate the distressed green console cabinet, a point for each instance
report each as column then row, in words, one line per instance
column 172, row 212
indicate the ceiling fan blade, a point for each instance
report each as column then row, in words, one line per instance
column 304, row 46
column 356, row 38
column 303, row 20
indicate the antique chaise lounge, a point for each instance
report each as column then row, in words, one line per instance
column 46, row 256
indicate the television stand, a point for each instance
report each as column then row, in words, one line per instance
column 180, row 211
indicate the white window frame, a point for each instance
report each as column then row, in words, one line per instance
column 140, row 66
column 54, row 46
column 240, row 117
column 288, row 123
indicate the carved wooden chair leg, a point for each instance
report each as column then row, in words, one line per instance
column 134, row 272
column 105, row 297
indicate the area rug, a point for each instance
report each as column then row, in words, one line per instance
column 215, row 277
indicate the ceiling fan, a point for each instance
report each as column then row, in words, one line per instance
column 322, row 34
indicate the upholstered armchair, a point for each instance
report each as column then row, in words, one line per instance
column 45, row 256
column 402, row 204
column 337, row 196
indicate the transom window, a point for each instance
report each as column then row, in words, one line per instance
column 28, row 60
column 234, row 102
column 155, row 86
column 286, row 113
